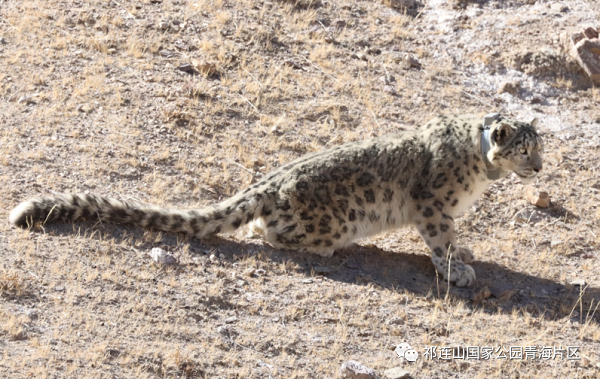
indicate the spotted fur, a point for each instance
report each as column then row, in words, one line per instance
column 325, row 200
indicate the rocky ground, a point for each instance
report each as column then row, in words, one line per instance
column 184, row 103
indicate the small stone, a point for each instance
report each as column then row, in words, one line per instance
column 555, row 243
column 577, row 282
column 160, row 256
column 540, row 199
column 389, row 89
column 361, row 56
column 249, row 272
column 396, row 321
column 396, row 373
column 186, row 67
column 590, row 32
column 260, row 272
column 501, row 291
column 26, row 99
column 213, row 258
column 293, row 64
column 32, row 314
column 164, row 25
column 167, row 53
column 3, row 41
column 558, row 7
column 484, row 293
column 537, row 99
column 509, row 87
column 307, row 281
column 410, row 61
column 84, row 108
column 356, row 370
column 231, row 320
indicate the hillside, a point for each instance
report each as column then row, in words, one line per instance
column 186, row 102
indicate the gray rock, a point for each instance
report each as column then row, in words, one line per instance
column 587, row 53
column 389, row 89
column 396, row 373
column 356, row 370
column 32, row 314
column 411, row 61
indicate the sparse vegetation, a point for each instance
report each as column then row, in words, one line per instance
column 93, row 100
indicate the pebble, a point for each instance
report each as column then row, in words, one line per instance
column 390, row 90
column 484, row 293
column 160, row 256
column 396, row 373
column 186, row 67
column 32, row 314
column 558, row 7
column 3, row 41
column 164, row 25
column 410, row 61
column 356, row 370
column 540, row 199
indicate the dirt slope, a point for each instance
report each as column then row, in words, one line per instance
column 184, row 103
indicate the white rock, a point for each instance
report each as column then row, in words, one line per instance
column 356, row 370
column 160, row 256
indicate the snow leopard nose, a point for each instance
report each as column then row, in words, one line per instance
column 537, row 169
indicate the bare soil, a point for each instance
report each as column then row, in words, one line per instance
column 184, row 103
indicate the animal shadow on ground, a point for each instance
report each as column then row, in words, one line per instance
column 364, row 265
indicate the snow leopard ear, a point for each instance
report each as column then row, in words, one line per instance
column 534, row 122
column 501, row 134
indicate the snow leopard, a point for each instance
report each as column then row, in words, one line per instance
column 325, row 200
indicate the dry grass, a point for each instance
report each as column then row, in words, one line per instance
column 93, row 101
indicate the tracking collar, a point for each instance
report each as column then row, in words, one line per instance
column 493, row 173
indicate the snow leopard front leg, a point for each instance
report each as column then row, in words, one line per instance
column 437, row 229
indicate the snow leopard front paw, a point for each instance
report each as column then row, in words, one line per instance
column 460, row 273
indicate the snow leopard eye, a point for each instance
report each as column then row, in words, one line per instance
column 523, row 150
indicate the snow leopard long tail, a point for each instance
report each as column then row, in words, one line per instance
column 224, row 217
